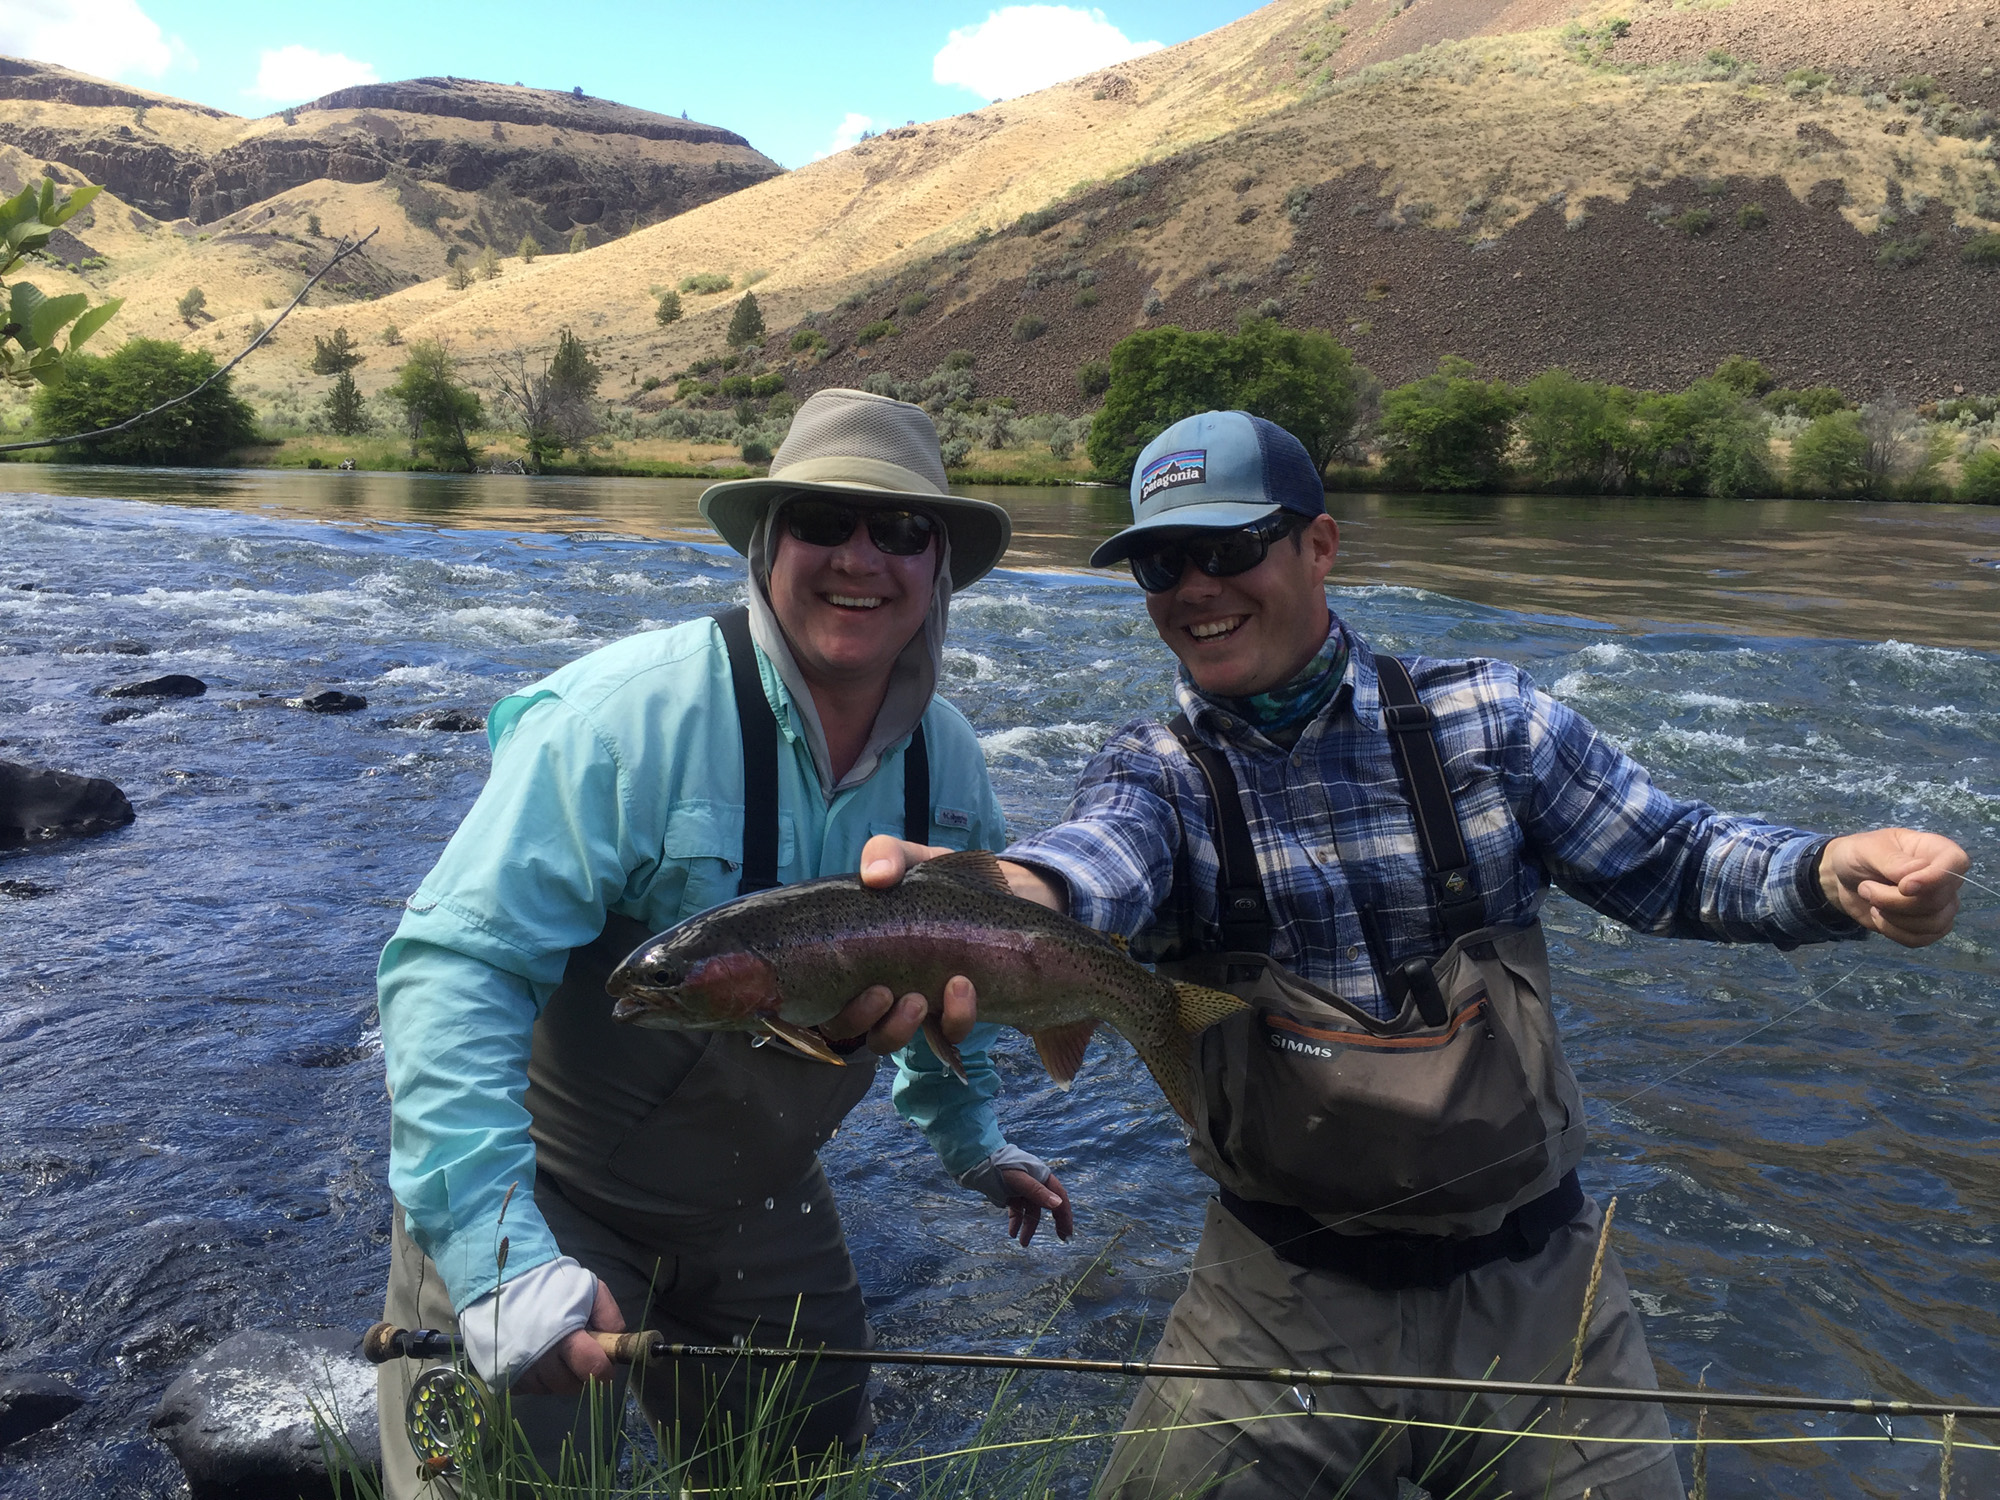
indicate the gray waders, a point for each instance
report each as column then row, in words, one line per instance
column 1396, row 1196
column 681, row 1169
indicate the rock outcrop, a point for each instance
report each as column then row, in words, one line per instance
column 30, row 1403
column 39, row 806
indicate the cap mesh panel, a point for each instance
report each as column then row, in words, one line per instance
column 1290, row 477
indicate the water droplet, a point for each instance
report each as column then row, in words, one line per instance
column 805, row 1208
column 770, row 1203
column 739, row 1275
column 1303, row 1396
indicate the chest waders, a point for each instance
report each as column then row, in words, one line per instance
column 1403, row 1152
column 662, row 1121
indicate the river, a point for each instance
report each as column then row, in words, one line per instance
column 1805, row 1145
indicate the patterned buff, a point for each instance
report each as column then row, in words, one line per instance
column 1283, row 713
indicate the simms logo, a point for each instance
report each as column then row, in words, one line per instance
column 1172, row 471
column 1292, row 1044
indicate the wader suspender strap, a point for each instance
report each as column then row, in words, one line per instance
column 759, row 727
column 1240, row 905
column 1454, row 882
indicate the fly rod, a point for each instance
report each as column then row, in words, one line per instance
column 385, row 1342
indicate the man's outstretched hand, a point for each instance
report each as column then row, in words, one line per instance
column 1896, row 881
column 577, row 1357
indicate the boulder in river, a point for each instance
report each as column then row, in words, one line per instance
column 446, row 720
column 328, row 701
column 29, row 1403
column 108, row 648
column 38, row 806
column 173, row 685
column 241, row 1419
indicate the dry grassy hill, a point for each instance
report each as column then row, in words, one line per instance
column 445, row 167
column 1633, row 189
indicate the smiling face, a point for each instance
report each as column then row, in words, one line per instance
column 1255, row 631
column 848, row 610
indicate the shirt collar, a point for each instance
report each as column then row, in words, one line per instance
column 1357, row 688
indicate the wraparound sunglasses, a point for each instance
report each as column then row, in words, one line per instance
column 1219, row 554
column 828, row 523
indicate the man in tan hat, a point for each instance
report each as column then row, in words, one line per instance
column 669, row 1177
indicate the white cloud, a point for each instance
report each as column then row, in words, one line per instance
column 1020, row 48
column 294, row 74
column 111, row 38
column 850, row 130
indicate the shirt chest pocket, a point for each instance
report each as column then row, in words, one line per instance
column 703, row 843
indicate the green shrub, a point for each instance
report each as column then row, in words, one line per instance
column 1981, row 250
column 1695, row 222
column 1577, row 434
column 751, row 278
column 1028, row 327
column 706, row 283
column 1830, row 458
column 763, row 386
column 1085, row 297
column 746, row 324
column 882, row 328
column 735, row 387
column 687, row 386
column 913, row 304
column 194, row 301
column 1904, row 252
column 1746, row 377
column 650, row 383
column 1297, row 201
column 1036, row 220
column 141, row 373
column 669, row 310
column 1916, row 86
column 1811, row 403
column 1752, row 216
column 436, row 408
column 1300, row 379
column 528, row 249
column 579, row 240
column 1805, row 80
column 809, row 341
column 960, row 359
column 756, row 451
column 1093, row 377
column 1448, row 431
column 1979, row 481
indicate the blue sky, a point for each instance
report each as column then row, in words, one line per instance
column 797, row 78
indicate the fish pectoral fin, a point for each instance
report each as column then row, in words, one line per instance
column 979, row 868
column 1201, row 1008
column 802, row 1040
column 945, row 1048
column 1062, row 1047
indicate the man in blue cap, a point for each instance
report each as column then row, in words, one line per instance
column 1359, row 846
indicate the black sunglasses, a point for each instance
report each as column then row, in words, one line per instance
column 828, row 523
column 1219, row 554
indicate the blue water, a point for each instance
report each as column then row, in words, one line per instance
column 193, row 1128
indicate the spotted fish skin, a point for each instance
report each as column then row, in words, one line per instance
column 793, row 956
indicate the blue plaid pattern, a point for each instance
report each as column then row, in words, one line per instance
column 1542, row 797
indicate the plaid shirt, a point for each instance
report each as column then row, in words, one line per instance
column 1542, row 798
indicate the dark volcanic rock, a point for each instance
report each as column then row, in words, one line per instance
column 173, row 685
column 108, row 648
column 241, row 1418
column 24, row 890
column 328, row 701
column 29, row 1403
column 448, row 720
column 120, row 715
column 38, row 806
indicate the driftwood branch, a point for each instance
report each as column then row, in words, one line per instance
column 341, row 252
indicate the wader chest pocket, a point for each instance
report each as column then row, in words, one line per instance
column 1309, row 1106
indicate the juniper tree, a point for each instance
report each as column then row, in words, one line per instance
column 527, row 249
column 336, row 355
column 746, row 324
column 346, row 413
column 669, row 310
column 193, row 303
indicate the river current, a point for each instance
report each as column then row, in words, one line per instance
column 193, row 1135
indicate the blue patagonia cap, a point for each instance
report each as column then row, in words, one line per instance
column 1212, row 472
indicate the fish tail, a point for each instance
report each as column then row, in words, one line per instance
column 1168, row 1050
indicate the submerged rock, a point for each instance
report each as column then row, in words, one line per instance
column 328, row 701
column 29, row 1403
column 120, row 715
column 108, row 648
column 446, row 720
column 38, row 806
column 173, row 685
column 241, row 1420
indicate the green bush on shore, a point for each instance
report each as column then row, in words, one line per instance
column 102, row 391
column 1979, row 481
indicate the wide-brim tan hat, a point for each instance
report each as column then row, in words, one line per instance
column 871, row 450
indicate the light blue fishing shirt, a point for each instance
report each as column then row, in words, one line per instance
column 617, row 786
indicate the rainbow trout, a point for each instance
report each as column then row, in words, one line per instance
column 780, row 962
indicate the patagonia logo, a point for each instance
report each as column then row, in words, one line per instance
column 1170, row 472
column 951, row 817
column 1283, row 1043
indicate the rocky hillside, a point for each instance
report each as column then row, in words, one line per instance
column 446, row 167
column 1631, row 188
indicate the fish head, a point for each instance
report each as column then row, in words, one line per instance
column 664, row 985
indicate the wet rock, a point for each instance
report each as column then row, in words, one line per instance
column 328, row 701
column 173, row 685
column 24, row 890
column 38, row 806
column 108, row 648
column 446, row 720
column 30, row 1403
column 120, row 715
column 240, row 1419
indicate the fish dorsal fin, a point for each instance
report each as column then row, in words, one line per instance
column 1062, row 1049
column 979, row 868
